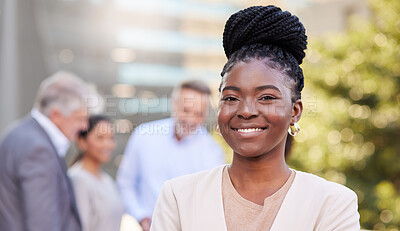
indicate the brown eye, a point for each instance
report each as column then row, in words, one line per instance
column 267, row 97
column 230, row 98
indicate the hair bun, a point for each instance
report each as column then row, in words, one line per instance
column 267, row 25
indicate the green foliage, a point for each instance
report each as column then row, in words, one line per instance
column 351, row 123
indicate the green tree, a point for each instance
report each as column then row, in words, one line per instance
column 351, row 123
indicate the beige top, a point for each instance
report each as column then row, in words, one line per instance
column 99, row 205
column 242, row 214
column 194, row 203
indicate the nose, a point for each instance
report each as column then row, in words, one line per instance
column 247, row 109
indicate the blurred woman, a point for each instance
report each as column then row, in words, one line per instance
column 99, row 205
column 260, row 103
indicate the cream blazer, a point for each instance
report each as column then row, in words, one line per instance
column 194, row 203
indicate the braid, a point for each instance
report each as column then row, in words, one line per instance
column 267, row 32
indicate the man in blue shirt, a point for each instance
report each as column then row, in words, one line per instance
column 160, row 150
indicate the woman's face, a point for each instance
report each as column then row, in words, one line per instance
column 255, row 108
column 99, row 143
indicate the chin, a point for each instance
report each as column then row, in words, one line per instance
column 250, row 154
column 104, row 160
column 248, row 151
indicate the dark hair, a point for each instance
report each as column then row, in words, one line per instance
column 267, row 32
column 92, row 122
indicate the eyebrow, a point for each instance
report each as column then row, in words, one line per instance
column 231, row 88
column 260, row 88
column 264, row 87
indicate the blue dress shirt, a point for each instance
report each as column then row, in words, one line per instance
column 153, row 155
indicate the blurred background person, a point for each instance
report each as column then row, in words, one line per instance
column 163, row 149
column 35, row 192
column 98, row 201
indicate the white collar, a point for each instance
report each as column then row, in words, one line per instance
column 59, row 140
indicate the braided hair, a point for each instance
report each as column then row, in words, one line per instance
column 267, row 32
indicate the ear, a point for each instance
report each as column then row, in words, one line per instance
column 297, row 109
column 55, row 116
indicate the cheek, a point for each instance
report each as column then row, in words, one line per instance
column 225, row 112
column 112, row 144
column 221, row 120
column 94, row 144
column 91, row 145
column 224, row 116
column 276, row 111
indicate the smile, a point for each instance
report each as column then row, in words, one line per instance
column 249, row 130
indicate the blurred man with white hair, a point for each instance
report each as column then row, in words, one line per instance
column 35, row 192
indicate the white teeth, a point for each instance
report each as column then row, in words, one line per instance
column 248, row 130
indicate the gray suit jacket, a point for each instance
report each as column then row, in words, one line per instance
column 35, row 192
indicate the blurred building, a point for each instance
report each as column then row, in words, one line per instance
column 327, row 16
column 133, row 51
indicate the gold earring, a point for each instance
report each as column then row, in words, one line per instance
column 294, row 130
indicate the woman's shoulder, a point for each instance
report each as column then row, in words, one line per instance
column 322, row 186
column 75, row 171
column 205, row 177
column 79, row 176
column 325, row 205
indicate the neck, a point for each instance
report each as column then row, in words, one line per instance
column 91, row 166
column 179, row 135
column 269, row 171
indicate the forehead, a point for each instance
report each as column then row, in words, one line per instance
column 191, row 96
column 255, row 73
column 103, row 126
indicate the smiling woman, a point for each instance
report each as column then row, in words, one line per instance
column 97, row 198
column 259, row 104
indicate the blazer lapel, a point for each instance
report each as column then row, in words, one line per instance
column 209, row 204
column 296, row 210
column 70, row 189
